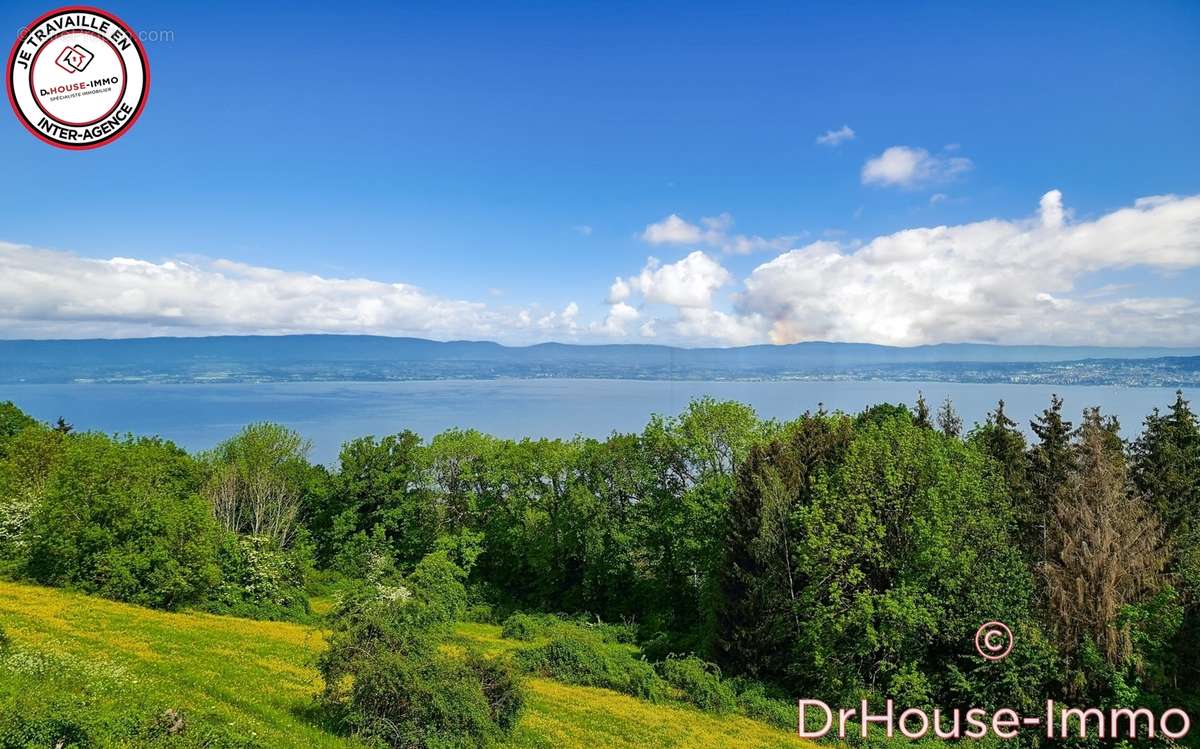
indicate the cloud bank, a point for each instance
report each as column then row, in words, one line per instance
column 44, row 293
column 1047, row 278
column 997, row 281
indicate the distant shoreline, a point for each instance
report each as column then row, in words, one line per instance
column 324, row 358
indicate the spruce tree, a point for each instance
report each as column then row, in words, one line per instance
column 1166, row 471
column 1051, row 459
column 1000, row 439
column 1004, row 442
column 921, row 418
column 758, row 607
column 948, row 419
column 1166, row 463
column 1105, row 547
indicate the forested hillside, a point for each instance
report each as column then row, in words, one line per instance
column 714, row 560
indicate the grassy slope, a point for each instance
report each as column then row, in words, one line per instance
column 258, row 677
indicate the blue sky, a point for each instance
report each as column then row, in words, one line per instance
column 513, row 156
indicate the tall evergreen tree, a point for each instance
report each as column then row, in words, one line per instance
column 1105, row 547
column 1000, row 439
column 1050, row 460
column 1166, row 471
column 921, row 418
column 1166, row 463
column 948, row 419
column 760, row 582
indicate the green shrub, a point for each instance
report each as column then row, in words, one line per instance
column 625, row 633
column 640, row 679
column 501, row 687
column 528, row 627
column 753, row 701
column 574, row 655
column 416, row 702
column 325, row 582
column 480, row 613
column 437, row 584
column 4, row 639
column 659, row 646
column 261, row 581
column 699, row 683
column 386, row 674
column 72, row 722
column 521, row 627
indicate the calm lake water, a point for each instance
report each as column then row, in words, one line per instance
column 199, row 416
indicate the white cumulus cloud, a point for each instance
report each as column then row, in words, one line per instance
column 690, row 282
column 904, row 166
column 1118, row 278
column 45, row 293
column 689, row 287
column 673, row 230
column 619, row 291
column 836, row 137
column 620, row 315
column 713, row 231
column 995, row 280
column 1051, row 206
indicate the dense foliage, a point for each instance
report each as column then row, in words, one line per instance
column 837, row 556
column 388, row 678
column 122, row 518
column 575, row 655
column 864, row 557
column 699, row 683
column 135, row 519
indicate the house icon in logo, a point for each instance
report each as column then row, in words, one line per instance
column 74, row 59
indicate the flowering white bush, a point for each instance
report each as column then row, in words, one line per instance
column 393, row 593
column 15, row 512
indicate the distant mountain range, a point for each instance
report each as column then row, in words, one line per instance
column 301, row 358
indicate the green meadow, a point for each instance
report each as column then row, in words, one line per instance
column 257, row 679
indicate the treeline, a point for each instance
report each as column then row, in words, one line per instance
column 138, row 519
column 835, row 556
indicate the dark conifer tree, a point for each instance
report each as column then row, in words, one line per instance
column 758, row 609
column 948, row 419
column 1002, row 440
column 1004, row 443
column 1166, row 463
column 1050, row 460
column 921, row 418
column 1166, row 471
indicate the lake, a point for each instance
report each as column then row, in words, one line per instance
column 199, row 416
